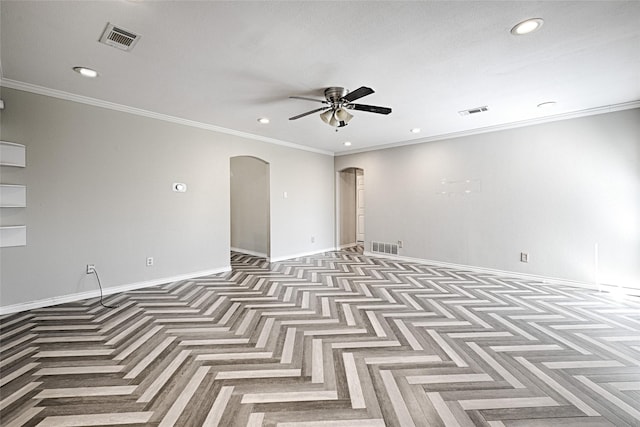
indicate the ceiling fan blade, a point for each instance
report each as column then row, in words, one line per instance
column 370, row 108
column 358, row 93
column 309, row 99
column 308, row 112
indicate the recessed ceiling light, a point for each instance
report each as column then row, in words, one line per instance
column 527, row 27
column 347, row 144
column 86, row 72
column 263, row 120
column 415, row 130
column 549, row 104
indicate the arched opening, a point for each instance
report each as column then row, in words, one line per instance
column 250, row 217
column 350, row 212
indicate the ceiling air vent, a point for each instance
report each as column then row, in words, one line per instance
column 119, row 38
column 473, row 111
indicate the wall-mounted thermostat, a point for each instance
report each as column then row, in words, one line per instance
column 179, row 187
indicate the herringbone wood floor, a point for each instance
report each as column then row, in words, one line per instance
column 338, row 339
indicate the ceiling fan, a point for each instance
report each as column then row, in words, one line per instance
column 337, row 101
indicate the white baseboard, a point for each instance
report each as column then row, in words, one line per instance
column 544, row 279
column 286, row 257
column 47, row 302
column 348, row 245
column 249, row 252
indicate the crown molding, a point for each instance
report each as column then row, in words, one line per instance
column 495, row 128
column 41, row 90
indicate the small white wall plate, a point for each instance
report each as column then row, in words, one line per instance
column 179, row 187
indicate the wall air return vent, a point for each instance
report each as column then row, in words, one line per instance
column 119, row 38
column 384, row 248
column 473, row 111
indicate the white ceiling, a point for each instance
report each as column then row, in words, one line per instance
column 226, row 64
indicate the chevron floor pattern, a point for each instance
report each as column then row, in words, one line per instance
column 337, row 339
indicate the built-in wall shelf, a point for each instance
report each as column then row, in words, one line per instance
column 13, row 236
column 13, row 196
column 12, row 154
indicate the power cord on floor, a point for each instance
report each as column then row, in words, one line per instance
column 95, row 271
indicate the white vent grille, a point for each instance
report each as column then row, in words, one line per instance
column 384, row 248
column 119, row 38
column 474, row 111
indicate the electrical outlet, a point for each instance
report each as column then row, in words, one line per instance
column 313, row 239
column 524, row 257
column 149, row 261
column 400, row 243
column 91, row 268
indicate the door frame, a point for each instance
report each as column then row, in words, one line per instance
column 268, row 190
column 338, row 205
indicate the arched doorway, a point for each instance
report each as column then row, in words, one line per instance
column 350, row 208
column 250, row 217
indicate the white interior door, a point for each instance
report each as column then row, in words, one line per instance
column 359, row 205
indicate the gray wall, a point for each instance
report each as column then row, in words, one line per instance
column 552, row 190
column 249, row 205
column 347, row 206
column 99, row 191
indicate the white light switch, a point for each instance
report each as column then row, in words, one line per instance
column 285, row 195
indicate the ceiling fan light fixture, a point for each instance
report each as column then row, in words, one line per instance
column 334, row 122
column 326, row 116
column 343, row 115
